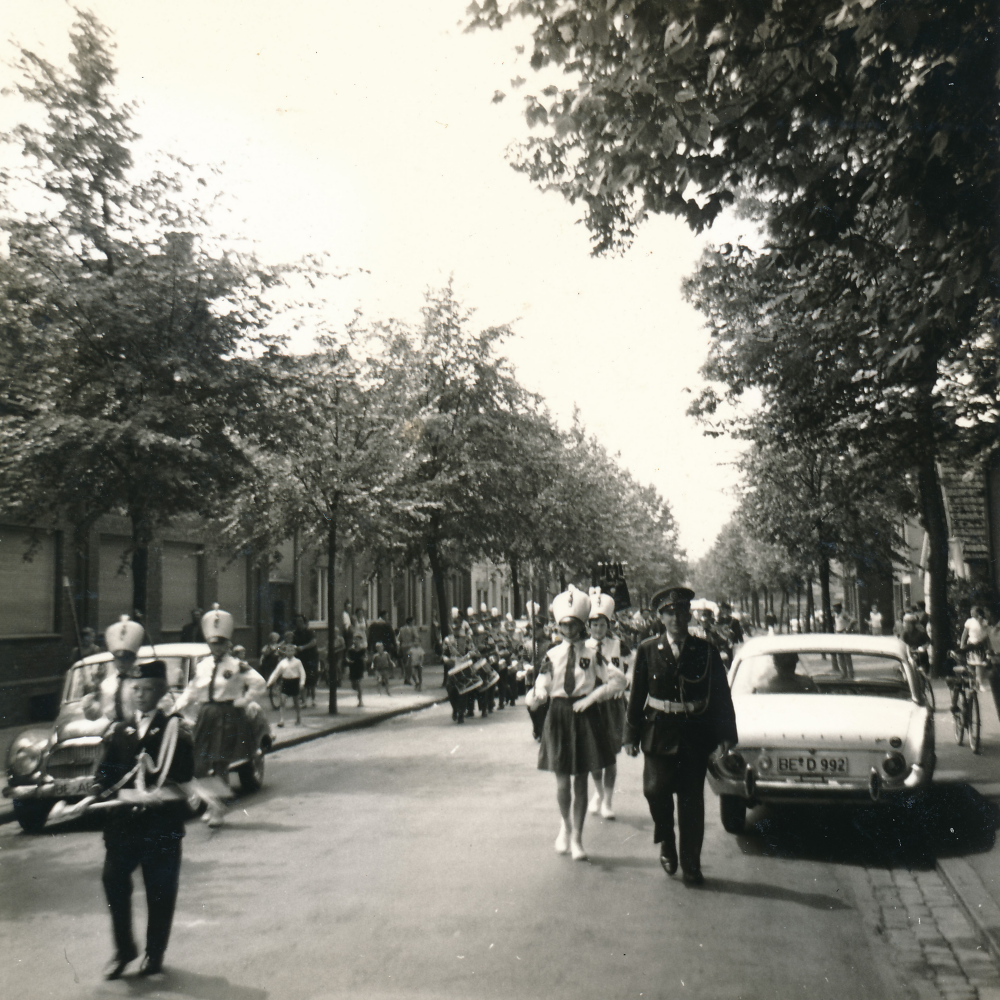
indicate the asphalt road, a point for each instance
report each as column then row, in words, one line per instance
column 415, row 859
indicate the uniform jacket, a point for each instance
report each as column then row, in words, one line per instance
column 699, row 675
column 588, row 674
column 121, row 746
column 230, row 683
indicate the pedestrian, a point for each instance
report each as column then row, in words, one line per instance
column 382, row 663
column 347, row 624
column 147, row 834
column 608, row 648
column 222, row 689
column 843, row 623
column 575, row 739
column 381, row 631
column 191, row 632
column 357, row 658
column 679, row 711
column 408, row 636
column 88, row 646
column 290, row 674
column 973, row 643
column 307, row 650
column 339, row 649
column 108, row 697
column 415, row 661
column 875, row 620
column 270, row 654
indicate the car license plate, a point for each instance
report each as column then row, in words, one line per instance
column 813, row 765
column 63, row 787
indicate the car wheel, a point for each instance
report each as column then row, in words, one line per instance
column 251, row 774
column 32, row 815
column 733, row 812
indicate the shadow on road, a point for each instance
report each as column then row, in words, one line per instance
column 181, row 983
column 760, row 890
column 948, row 820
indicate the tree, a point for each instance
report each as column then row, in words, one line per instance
column 136, row 352
column 832, row 116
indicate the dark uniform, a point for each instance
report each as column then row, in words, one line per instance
column 147, row 836
column 693, row 714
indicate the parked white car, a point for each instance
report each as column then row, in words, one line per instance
column 823, row 719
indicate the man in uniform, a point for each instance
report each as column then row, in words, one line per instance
column 145, row 750
column 679, row 712
column 122, row 640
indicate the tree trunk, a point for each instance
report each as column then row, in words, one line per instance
column 331, row 611
column 798, row 606
column 515, row 584
column 935, row 521
column 824, row 590
column 755, row 602
column 437, row 575
column 140, row 568
column 810, row 605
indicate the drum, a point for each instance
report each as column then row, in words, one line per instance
column 488, row 676
column 464, row 677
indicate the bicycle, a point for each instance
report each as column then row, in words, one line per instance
column 965, row 707
column 922, row 663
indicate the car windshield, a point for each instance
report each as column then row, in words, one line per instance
column 86, row 678
column 821, row 673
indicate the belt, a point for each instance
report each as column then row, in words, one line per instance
column 675, row 707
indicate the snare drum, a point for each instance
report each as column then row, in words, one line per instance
column 464, row 677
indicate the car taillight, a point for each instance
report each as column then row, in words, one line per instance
column 734, row 763
column 894, row 765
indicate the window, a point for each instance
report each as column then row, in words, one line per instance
column 232, row 589
column 181, row 565
column 29, row 588
column 114, row 587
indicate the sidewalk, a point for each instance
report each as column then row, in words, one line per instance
column 316, row 722
column 973, row 877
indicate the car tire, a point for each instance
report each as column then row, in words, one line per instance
column 251, row 774
column 32, row 815
column 733, row 812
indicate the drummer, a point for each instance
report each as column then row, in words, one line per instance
column 608, row 648
column 221, row 687
column 122, row 640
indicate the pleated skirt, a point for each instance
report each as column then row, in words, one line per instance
column 221, row 735
column 575, row 742
column 615, row 711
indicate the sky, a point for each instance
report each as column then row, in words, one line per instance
column 369, row 133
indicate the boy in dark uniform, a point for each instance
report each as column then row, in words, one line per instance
column 680, row 710
column 144, row 757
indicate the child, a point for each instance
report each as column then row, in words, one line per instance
column 357, row 660
column 270, row 654
column 382, row 662
column 292, row 675
column 416, row 665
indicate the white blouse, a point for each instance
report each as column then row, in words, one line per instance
column 551, row 680
column 230, row 683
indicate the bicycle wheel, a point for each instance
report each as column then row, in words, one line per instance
column 958, row 717
column 929, row 693
column 974, row 723
column 275, row 695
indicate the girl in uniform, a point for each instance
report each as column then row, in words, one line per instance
column 608, row 648
column 575, row 738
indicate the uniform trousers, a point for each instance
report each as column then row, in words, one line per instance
column 160, row 859
column 681, row 774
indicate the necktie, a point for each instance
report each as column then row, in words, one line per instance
column 211, row 686
column 570, row 683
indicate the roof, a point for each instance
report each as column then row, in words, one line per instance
column 965, row 496
column 151, row 652
column 825, row 642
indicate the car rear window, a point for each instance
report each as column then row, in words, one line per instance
column 86, row 678
column 821, row 673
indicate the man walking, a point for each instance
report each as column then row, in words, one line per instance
column 680, row 710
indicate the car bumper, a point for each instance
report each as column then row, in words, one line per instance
column 60, row 788
column 816, row 792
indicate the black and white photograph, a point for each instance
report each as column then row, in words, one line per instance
column 405, row 405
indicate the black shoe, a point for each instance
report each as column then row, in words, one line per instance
column 693, row 876
column 668, row 859
column 151, row 966
column 117, row 965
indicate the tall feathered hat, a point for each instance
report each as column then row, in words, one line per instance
column 217, row 624
column 531, row 609
column 601, row 604
column 571, row 603
column 454, row 614
column 483, row 610
column 470, row 611
column 125, row 636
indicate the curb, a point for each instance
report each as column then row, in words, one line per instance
column 366, row 722
column 978, row 905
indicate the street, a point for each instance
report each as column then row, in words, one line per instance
column 415, row 859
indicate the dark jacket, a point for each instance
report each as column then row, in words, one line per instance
column 699, row 677
column 121, row 747
column 381, row 631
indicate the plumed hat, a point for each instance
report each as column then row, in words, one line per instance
column 571, row 604
column 125, row 636
column 483, row 609
column 510, row 617
column 470, row 611
column 454, row 613
column 670, row 597
column 531, row 609
column 217, row 624
column 601, row 604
